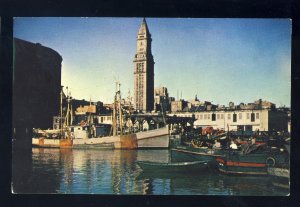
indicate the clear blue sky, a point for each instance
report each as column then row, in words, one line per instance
column 221, row 60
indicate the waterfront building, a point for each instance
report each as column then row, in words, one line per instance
column 36, row 86
column 247, row 120
column 143, row 71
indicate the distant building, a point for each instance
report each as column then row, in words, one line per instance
column 209, row 106
column 89, row 111
column 161, row 91
column 143, row 71
column 161, row 99
column 36, row 85
column 231, row 105
column 251, row 106
column 178, row 105
column 265, row 104
column 194, row 103
column 83, row 110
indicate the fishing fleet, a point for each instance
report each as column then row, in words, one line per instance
column 197, row 150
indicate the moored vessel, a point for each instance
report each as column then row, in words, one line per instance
column 156, row 138
column 251, row 160
column 172, row 166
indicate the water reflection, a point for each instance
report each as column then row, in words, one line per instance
column 116, row 172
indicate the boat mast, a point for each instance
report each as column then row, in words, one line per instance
column 129, row 111
column 114, row 125
column 71, row 120
column 68, row 118
column 90, row 108
column 117, row 111
column 60, row 123
column 120, row 109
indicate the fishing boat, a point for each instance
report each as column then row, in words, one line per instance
column 191, row 153
column 194, row 151
column 172, row 166
column 119, row 139
column 251, row 160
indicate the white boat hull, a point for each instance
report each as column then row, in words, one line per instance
column 158, row 138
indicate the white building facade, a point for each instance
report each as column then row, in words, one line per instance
column 104, row 119
column 247, row 120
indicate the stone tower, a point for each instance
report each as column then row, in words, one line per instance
column 143, row 71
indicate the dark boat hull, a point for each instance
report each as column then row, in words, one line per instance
column 173, row 167
column 189, row 153
column 244, row 166
column 234, row 162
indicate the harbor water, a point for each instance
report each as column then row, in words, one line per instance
column 107, row 171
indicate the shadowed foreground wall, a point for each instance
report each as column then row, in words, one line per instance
column 36, row 86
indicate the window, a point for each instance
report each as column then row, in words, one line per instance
column 248, row 115
column 234, row 117
column 205, row 116
column 201, row 116
column 218, row 116
column 252, row 117
column 240, row 115
column 257, row 115
column 208, row 116
column 229, row 116
column 213, row 117
column 222, row 116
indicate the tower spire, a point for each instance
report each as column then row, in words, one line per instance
column 144, row 30
column 143, row 70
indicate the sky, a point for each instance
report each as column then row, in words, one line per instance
column 220, row 60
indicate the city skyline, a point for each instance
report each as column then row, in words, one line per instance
column 220, row 60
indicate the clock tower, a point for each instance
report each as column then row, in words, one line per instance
column 143, row 71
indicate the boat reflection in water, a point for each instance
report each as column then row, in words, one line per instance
column 90, row 171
